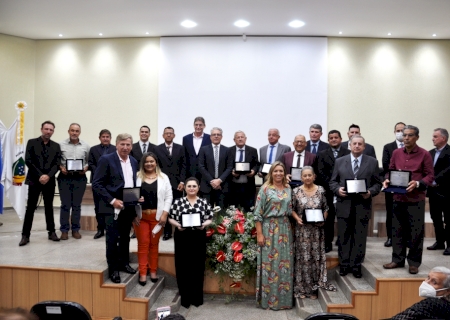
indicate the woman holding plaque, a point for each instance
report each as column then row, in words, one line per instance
column 190, row 215
column 156, row 198
column 310, row 260
column 274, row 271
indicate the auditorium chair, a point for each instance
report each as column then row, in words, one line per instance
column 61, row 310
column 331, row 316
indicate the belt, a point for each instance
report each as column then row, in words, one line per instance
column 149, row 211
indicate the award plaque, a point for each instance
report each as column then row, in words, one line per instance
column 313, row 216
column 74, row 164
column 355, row 186
column 296, row 174
column 399, row 181
column 131, row 196
column 266, row 168
column 242, row 167
column 191, row 220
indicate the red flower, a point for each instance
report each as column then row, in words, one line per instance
column 235, row 284
column 209, row 232
column 237, row 257
column 236, row 246
column 220, row 256
column 221, row 229
column 253, row 232
column 239, row 227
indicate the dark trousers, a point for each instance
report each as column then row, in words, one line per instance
column 408, row 224
column 48, row 193
column 329, row 222
column 216, row 198
column 71, row 191
column 439, row 205
column 99, row 216
column 190, row 255
column 242, row 195
column 389, row 199
column 168, row 227
column 118, row 238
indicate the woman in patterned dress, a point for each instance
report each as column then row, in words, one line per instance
column 310, row 260
column 274, row 279
column 190, row 244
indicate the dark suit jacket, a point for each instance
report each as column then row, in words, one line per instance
column 368, row 170
column 94, row 155
column 206, row 167
column 288, row 158
column 251, row 155
column 324, row 165
column 322, row 146
column 369, row 150
column 388, row 149
column 109, row 182
column 136, row 151
column 173, row 165
column 191, row 156
column 35, row 162
column 442, row 171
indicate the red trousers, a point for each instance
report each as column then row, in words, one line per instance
column 147, row 242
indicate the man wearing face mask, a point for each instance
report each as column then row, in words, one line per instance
column 436, row 290
column 389, row 197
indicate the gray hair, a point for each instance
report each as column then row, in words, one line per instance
column 74, row 124
column 316, row 126
column 278, row 131
column 240, row 131
column 410, row 127
column 308, row 168
column 443, row 132
column 445, row 271
column 124, row 136
column 357, row 136
column 217, row 128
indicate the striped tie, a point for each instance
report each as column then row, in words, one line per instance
column 356, row 167
column 216, row 161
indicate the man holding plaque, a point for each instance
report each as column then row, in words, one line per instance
column 297, row 158
column 72, row 180
column 355, row 181
column 409, row 207
column 271, row 152
column 246, row 165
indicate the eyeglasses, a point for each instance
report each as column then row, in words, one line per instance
column 216, row 135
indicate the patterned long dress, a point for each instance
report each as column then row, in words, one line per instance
column 274, row 278
column 310, row 258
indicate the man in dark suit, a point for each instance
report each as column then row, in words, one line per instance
column 353, row 210
column 273, row 151
column 355, row 130
column 388, row 149
column 315, row 145
column 299, row 157
column 95, row 153
column 215, row 164
column 116, row 171
column 242, row 186
column 324, row 166
column 172, row 161
column 42, row 157
column 193, row 143
column 143, row 145
column 439, row 190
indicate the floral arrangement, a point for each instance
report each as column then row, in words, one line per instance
column 232, row 247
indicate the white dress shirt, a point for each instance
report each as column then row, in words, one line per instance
column 197, row 141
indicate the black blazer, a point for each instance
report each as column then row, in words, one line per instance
column 206, row 167
column 324, row 165
column 173, row 165
column 251, row 155
column 388, row 149
column 322, row 146
column 369, row 150
column 442, row 171
column 191, row 156
column 35, row 162
column 94, row 155
column 136, row 151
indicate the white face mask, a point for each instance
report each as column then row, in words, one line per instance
column 399, row 136
column 428, row 291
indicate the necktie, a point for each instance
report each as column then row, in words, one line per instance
column 241, row 156
column 271, row 154
column 144, row 148
column 168, row 150
column 298, row 160
column 355, row 167
column 216, row 161
column 401, row 145
column 104, row 150
column 314, row 150
column 436, row 156
column 335, row 153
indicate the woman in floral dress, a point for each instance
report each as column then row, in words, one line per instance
column 274, row 277
column 310, row 260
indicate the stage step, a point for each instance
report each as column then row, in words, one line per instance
column 168, row 297
column 349, row 284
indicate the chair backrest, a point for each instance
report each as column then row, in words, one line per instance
column 60, row 310
column 331, row 316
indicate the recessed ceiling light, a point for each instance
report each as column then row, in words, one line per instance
column 340, row 32
column 188, row 24
column 296, row 24
column 242, row 23
column 60, row 35
column 389, row 33
column 100, row 34
column 434, row 34
column 146, row 33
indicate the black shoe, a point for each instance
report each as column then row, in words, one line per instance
column 133, row 236
column 447, row 252
column 388, row 243
column 167, row 237
column 99, row 234
column 343, row 271
column 436, row 246
column 52, row 236
column 128, row 269
column 142, row 283
column 115, row 277
column 328, row 248
column 357, row 272
column 24, row 241
column 153, row 280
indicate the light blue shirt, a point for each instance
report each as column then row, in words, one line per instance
column 353, row 161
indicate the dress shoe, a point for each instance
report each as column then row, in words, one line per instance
column 1, row 223
column 52, row 236
column 24, row 241
column 393, row 265
column 142, row 283
column 115, row 277
column 99, row 234
column 343, row 271
column 133, row 236
column 328, row 248
column 128, row 269
column 167, row 237
column 64, row 235
column 76, row 235
column 388, row 243
column 436, row 246
column 357, row 272
column 447, row 252
column 154, row 280
column 413, row 270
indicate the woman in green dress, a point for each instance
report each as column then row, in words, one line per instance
column 274, row 278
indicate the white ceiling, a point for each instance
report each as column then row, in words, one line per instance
column 46, row 19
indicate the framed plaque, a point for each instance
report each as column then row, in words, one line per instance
column 191, row 220
column 313, row 216
column 74, row 164
column 131, row 196
column 266, row 168
column 242, row 167
column 399, row 181
column 356, row 186
column 296, row 177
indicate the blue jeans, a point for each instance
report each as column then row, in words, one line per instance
column 71, row 190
